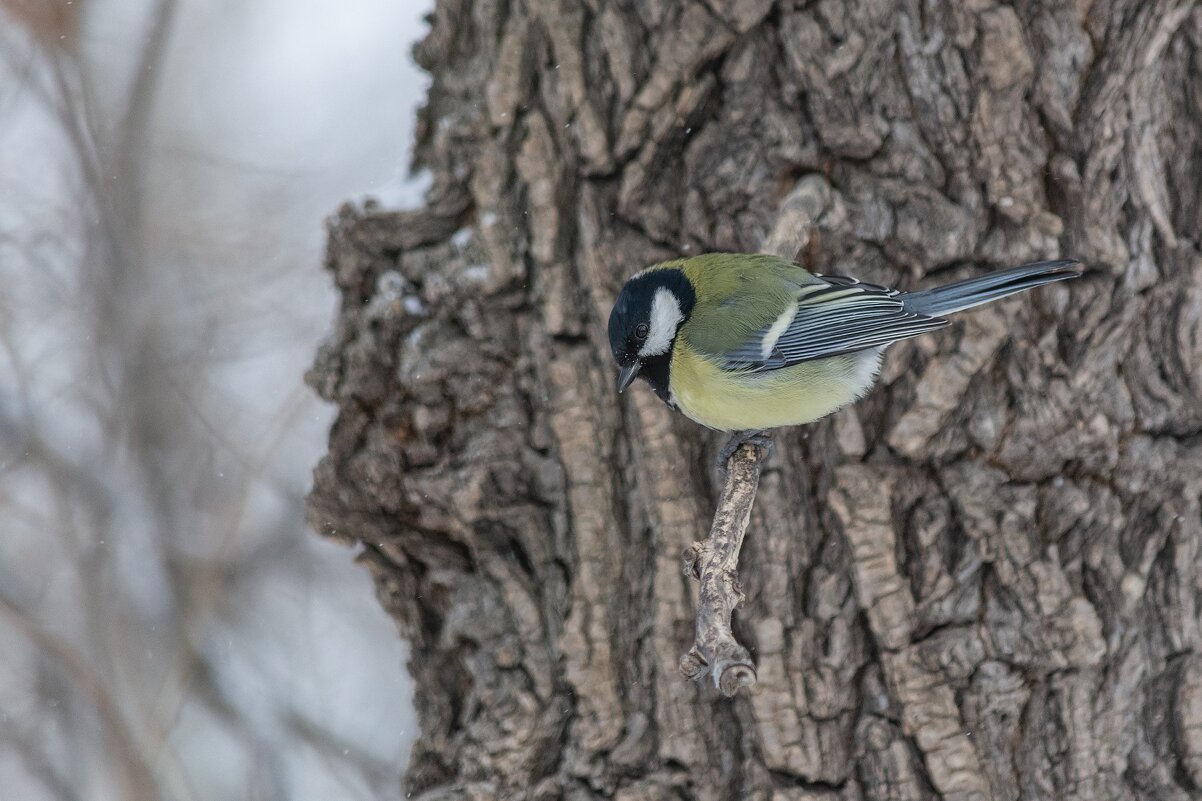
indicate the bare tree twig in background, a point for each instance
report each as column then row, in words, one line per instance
column 139, row 784
column 148, row 478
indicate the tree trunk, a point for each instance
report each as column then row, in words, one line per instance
column 981, row 582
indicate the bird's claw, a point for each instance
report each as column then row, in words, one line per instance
column 739, row 438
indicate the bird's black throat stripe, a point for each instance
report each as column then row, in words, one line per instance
column 656, row 370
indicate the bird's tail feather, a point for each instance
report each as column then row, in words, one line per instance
column 986, row 288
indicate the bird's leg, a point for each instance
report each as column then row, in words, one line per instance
column 738, row 438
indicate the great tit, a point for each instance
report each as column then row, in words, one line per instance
column 744, row 343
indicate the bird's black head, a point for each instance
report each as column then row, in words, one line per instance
column 643, row 325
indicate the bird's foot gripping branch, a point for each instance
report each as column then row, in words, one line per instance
column 714, row 564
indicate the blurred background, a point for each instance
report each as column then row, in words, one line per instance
column 168, row 627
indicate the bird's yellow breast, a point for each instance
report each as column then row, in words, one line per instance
column 801, row 393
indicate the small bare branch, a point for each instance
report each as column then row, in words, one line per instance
column 138, row 779
column 714, row 564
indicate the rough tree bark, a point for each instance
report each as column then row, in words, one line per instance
column 982, row 582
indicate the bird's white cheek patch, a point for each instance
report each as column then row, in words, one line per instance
column 665, row 318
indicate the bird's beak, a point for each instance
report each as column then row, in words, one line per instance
column 627, row 375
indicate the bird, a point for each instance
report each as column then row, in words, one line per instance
column 746, row 343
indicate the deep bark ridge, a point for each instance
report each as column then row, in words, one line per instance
column 982, row 581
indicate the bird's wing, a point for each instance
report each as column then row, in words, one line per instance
column 834, row 316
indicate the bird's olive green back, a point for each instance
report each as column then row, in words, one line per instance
column 737, row 295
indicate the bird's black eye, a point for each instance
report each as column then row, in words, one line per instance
column 642, row 330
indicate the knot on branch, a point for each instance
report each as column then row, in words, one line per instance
column 692, row 560
column 728, row 674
